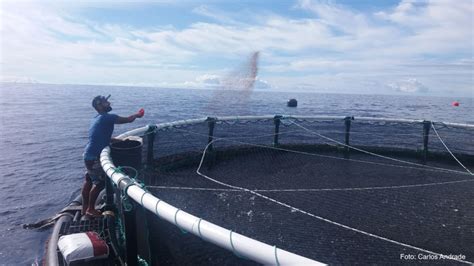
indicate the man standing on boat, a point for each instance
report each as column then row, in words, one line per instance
column 100, row 136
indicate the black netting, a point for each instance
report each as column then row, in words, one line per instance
column 255, row 132
column 342, row 198
column 387, row 134
column 458, row 140
column 311, row 131
column 181, row 139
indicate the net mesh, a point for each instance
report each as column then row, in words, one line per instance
column 458, row 140
column 387, row 135
column 309, row 196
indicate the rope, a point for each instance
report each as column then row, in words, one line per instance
column 192, row 188
column 230, row 138
column 129, row 167
column 424, row 167
column 176, row 222
column 198, row 221
column 371, row 153
column 116, row 170
column 122, row 232
column 141, row 199
column 141, row 261
column 232, row 243
column 127, row 205
column 276, row 256
column 156, row 207
column 199, row 227
column 233, row 248
column 316, row 216
column 442, row 142
column 317, row 189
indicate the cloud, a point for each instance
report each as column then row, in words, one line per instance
column 218, row 15
column 262, row 85
column 209, row 79
column 435, row 26
column 410, row 29
column 411, row 85
column 331, row 47
column 16, row 79
column 336, row 17
column 430, row 13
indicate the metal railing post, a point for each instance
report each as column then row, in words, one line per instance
column 137, row 241
column 211, row 122
column 151, row 134
column 142, row 233
column 426, row 133
column 277, row 122
column 131, row 235
column 109, row 195
column 347, row 123
column 128, row 210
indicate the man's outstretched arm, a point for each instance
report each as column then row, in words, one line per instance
column 129, row 119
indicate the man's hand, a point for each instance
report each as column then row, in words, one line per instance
column 141, row 113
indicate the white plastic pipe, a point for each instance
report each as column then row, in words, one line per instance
column 142, row 130
column 237, row 243
column 52, row 256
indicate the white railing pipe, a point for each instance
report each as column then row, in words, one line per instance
column 237, row 243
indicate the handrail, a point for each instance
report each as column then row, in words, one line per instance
column 142, row 130
column 237, row 243
column 52, row 255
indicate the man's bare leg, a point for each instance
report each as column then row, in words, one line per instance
column 86, row 188
column 93, row 194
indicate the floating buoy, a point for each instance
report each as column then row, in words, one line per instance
column 455, row 103
column 292, row 103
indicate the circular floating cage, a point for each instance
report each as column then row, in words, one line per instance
column 295, row 189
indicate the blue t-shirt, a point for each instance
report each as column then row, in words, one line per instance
column 100, row 133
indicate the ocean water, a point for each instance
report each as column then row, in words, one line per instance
column 43, row 132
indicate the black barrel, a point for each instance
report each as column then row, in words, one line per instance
column 292, row 103
column 128, row 153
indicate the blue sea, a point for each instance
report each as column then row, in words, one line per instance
column 44, row 130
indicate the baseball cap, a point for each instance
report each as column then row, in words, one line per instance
column 98, row 100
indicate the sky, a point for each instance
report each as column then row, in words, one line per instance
column 371, row 47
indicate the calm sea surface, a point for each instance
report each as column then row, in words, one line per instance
column 43, row 132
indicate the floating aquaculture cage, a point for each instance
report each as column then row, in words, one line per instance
column 298, row 190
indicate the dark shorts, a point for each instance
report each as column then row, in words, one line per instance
column 94, row 169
